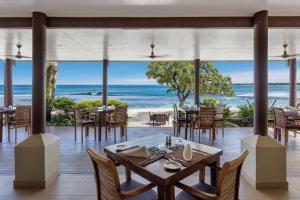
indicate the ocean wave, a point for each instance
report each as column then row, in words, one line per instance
column 87, row 93
column 271, row 94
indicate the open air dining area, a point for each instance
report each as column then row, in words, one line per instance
column 180, row 138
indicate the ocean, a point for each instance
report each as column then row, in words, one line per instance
column 150, row 96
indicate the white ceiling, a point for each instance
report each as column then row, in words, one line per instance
column 134, row 44
column 152, row 8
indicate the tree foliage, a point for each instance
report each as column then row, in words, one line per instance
column 179, row 77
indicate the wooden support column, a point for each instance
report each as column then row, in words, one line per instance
column 104, row 81
column 39, row 21
column 261, row 73
column 197, row 82
column 8, row 85
column 293, row 81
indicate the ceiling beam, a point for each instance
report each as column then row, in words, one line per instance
column 284, row 22
column 150, row 22
column 15, row 22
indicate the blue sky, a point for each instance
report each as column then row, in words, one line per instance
column 134, row 72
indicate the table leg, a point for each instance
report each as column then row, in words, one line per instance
column 128, row 174
column 213, row 173
column 99, row 132
column 186, row 126
column 1, row 127
column 166, row 192
column 202, row 174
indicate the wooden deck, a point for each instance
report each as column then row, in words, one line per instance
column 74, row 160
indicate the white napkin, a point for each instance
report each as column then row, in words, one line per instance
column 141, row 152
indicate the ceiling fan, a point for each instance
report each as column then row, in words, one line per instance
column 152, row 55
column 285, row 55
column 19, row 54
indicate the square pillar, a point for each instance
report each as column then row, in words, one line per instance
column 104, row 82
column 265, row 166
column 197, row 82
column 36, row 158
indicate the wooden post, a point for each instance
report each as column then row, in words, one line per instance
column 104, row 82
column 8, row 85
column 261, row 73
column 39, row 21
column 293, row 82
column 197, row 82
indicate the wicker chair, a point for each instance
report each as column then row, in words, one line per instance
column 227, row 184
column 281, row 123
column 22, row 119
column 205, row 120
column 178, row 121
column 108, row 183
column 83, row 121
column 219, row 118
column 117, row 119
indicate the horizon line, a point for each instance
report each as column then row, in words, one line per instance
column 277, row 83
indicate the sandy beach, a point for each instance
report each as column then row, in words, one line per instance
column 139, row 117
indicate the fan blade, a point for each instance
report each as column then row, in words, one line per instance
column 26, row 57
column 294, row 55
column 277, row 56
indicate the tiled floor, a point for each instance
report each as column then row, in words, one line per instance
column 82, row 187
column 76, row 180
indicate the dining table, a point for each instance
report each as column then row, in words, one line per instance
column 102, row 112
column 4, row 111
column 189, row 112
column 153, row 168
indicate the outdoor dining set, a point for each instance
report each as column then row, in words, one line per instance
column 164, row 166
column 109, row 118
column 199, row 118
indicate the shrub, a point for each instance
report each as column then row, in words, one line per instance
column 113, row 102
column 62, row 119
column 89, row 104
column 211, row 102
column 63, row 103
column 246, row 113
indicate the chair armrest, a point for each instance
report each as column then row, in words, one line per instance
column 137, row 191
column 197, row 193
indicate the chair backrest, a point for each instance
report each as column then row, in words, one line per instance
column 298, row 106
column 279, row 117
column 106, row 177
column 207, row 116
column 229, row 178
column 220, row 110
column 23, row 116
column 77, row 115
column 160, row 118
column 120, row 115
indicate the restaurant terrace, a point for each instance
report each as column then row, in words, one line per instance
column 103, row 158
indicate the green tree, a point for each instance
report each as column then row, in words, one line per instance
column 51, row 87
column 179, row 77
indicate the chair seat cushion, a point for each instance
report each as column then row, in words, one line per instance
column 200, row 186
column 132, row 184
column 87, row 121
column 219, row 118
column 181, row 119
column 292, row 126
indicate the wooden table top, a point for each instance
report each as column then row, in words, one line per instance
column 155, row 171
